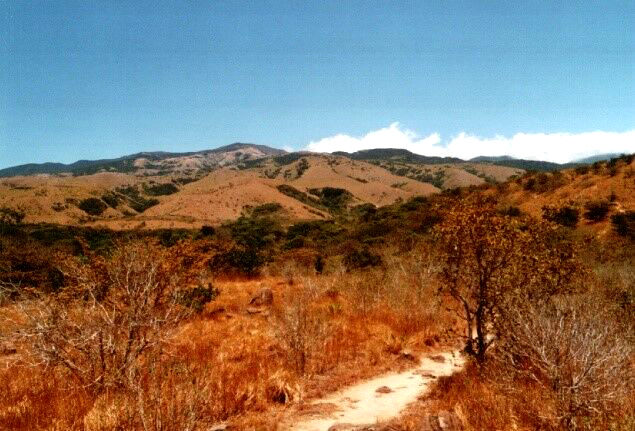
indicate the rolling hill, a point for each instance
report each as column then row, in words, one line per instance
column 162, row 190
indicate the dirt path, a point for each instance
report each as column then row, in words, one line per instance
column 375, row 400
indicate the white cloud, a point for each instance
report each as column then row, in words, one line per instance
column 392, row 136
column 555, row 147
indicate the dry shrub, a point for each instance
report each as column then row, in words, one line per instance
column 576, row 353
column 99, row 326
column 567, row 365
column 299, row 326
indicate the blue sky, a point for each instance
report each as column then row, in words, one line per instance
column 86, row 80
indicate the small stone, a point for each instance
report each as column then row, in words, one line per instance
column 383, row 390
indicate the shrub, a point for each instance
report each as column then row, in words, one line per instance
column 597, row 210
column 113, row 312
column 575, row 352
column 111, row 199
column 358, row 259
column 245, row 260
column 582, row 170
column 170, row 237
column 11, row 216
column 160, row 189
column 254, row 232
column 296, row 242
column 597, row 166
column 93, row 206
column 491, row 264
column 99, row 241
column 429, row 220
column 296, row 194
column 301, row 167
column 142, row 204
column 565, row 216
column 510, row 211
column 364, row 211
column 265, row 209
column 319, row 264
column 624, row 224
column 542, row 182
column 333, row 198
column 197, row 297
column 207, row 230
column 135, row 200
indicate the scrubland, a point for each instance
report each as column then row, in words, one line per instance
column 244, row 323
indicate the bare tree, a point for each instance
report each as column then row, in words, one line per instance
column 575, row 350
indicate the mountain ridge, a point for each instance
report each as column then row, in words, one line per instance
column 124, row 163
column 242, row 152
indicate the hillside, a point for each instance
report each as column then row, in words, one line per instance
column 152, row 163
column 163, row 190
column 131, row 201
column 612, row 183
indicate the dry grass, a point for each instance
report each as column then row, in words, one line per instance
column 229, row 364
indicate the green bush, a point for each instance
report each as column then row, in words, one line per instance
column 565, row 216
column 245, row 260
column 358, row 259
column 208, row 230
column 170, row 237
column 624, row 224
column 197, row 297
column 597, row 210
column 333, row 198
column 160, row 189
column 100, row 241
column 254, row 232
column 265, row 209
column 111, row 199
column 142, row 204
column 93, row 206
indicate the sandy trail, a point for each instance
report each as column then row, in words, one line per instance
column 362, row 404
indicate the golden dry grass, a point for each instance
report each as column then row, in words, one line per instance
column 229, row 364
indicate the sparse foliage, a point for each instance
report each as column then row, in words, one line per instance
column 573, row 349
column 492, row 263
column 110, row 314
